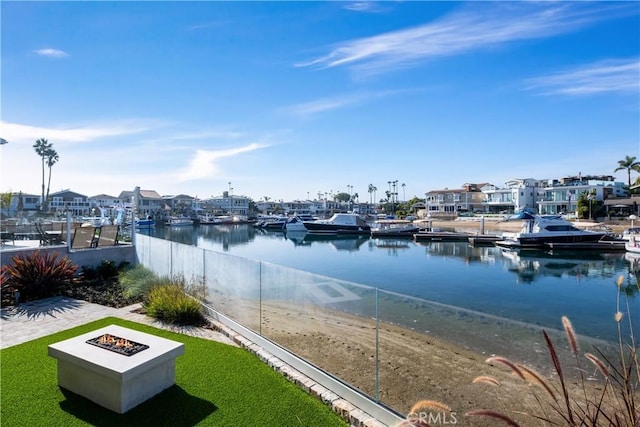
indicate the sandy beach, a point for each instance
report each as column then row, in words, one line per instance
column 413, row 364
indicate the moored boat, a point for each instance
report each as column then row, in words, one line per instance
column 296, row 223
column 339, row 223
column 539, row 231
column 632, row 244
column 394, row 228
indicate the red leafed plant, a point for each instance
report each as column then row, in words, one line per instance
column 37, row 275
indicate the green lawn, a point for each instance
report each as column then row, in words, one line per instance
column 216, row 385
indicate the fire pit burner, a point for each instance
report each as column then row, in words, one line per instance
column 117, row 345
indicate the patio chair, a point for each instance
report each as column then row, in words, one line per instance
column 63, row 229
column 108, row 235
column 46, row 238
column 84, row 238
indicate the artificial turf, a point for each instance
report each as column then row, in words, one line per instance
column 216, row 385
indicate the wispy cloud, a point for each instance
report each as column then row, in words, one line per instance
column 207, row 25
column 322, row 105
column 364, row 6
column 52, row 53
column 204, row 163
column 478, row 26
column 604, row 76
column 20, row 132
column 338, row 102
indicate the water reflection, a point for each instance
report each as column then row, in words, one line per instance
column 469, row 254
column 393, row 246
column 531, row 265
column 341, row 242
column 528, row 266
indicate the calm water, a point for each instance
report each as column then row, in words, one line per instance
column 530, row 286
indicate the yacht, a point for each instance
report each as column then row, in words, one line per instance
column 340, row 223
column 296, row 223
column 394, row 228
column 540, row 230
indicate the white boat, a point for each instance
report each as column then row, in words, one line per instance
column 340, row 223
column 630, row 232
column 633, row 244
column 540, row 230
column 394, row 228
column 179, row 222
column 296, row 223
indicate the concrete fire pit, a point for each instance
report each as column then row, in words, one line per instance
column 116, row 380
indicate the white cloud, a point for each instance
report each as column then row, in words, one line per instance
column 322, row 105
column 600, row 77
column 204, row 163
column 480, row 26
column 17, row 131
column 337, row 102
column 364, row 6
column 53, row 53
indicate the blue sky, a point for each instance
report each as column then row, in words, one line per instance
column 291, row 99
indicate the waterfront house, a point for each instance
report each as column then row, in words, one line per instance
column 451, row 202
column 143, row 202
column 229, row 204
column 69, row 201
column 180, row 204
column 561, row 195
column 516, row 195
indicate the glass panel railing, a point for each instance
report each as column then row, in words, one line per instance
column 233, row 287
column 382, row 343
column 328, row 322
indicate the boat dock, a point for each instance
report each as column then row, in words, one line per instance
column 484, row 240
column 441, row 236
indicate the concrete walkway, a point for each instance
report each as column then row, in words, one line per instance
column 40, row 318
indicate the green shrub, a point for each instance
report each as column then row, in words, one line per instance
column 168, row 301
column 38, row 275
column 137, row 281
column 107, row 269
column 88, row 273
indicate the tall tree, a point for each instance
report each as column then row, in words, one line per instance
column 42, row 147
column 629, row 163
column 52, row 159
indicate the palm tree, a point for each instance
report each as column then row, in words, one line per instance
column 370, row 190
column 629, row 163
column 42, row 147
column 52, row 159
